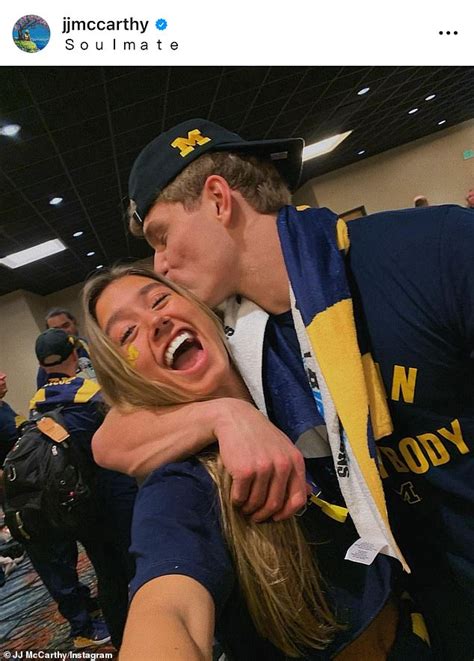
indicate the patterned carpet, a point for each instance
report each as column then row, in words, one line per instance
column 29, row 619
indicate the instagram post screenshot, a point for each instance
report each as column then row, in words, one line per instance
column 237, row 331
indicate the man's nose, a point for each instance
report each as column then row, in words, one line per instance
column 160, row 263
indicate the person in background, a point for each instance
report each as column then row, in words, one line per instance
column 470, row 198
column 107, row 539
column 420, row 201
column 10, row 422
column 63, row 319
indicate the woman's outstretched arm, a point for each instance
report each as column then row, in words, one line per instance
column 172, row 618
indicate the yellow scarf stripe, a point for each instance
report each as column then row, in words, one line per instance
column 332, row 334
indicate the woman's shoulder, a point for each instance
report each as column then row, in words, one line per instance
column 176, row 530
column 181, row 489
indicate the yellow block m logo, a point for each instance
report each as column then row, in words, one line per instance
column 187, row 145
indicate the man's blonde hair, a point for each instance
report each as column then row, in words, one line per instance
column 258, row 182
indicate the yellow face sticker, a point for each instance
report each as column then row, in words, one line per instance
column 132, row 354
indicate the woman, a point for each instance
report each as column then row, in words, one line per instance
column 202, row 567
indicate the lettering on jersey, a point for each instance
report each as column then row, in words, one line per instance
column 59, row 381
column 408, row 493
column 187, row 145
column 229, row 331
column 420, row 453
column 342, row 466
column 403, row 383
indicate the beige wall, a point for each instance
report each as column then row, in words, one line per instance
column 21, row 320
column 18, row 329
column 432, row 166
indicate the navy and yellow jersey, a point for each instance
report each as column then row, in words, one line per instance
column 84, row 367
column 9, row 425
column 80, row 398
column 412, row 272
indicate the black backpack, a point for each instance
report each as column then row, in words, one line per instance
column 48, row 483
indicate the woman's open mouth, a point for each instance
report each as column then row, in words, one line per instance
column 183, row 352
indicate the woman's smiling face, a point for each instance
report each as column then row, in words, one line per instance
column 166, row 337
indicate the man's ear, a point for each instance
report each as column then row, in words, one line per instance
column 217, row 192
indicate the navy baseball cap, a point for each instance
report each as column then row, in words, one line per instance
column 53, row 346
column 167, row 155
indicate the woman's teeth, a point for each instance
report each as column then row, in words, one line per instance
column 174, row 345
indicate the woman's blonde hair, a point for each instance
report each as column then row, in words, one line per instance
column 275, row 567
column 257, row 180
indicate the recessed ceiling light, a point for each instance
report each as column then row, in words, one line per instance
column 17, row 259
column 364, row 90
column 362, row 151
column 443, row 121
column 76, row 234
column 324, row 146
column 56, row 200
column 89, row 254
column 100, row 266
column 413, row 111
column 10, row 130
column 430, row 97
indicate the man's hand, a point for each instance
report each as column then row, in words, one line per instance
column 268, row 471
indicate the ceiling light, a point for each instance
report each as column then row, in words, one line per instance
column 324, row 146
column 364, row 90
column 17, row 259
column 430, row 97
column 362, row 151
column 413, row 111
column 443, row 121
column 10, row 130
column 76, row 234
column 56, row 200
column 100, row 266
column 89, row 254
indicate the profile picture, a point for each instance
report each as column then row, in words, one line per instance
column 31, row 33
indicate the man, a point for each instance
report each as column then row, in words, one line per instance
column 64, row 320
column 470, row 198
column 106, row 541
column 10, row 422
column 420, row 201
column 213, row 208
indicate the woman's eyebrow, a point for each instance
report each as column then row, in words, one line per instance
column 114, row 318
column 143, row 291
